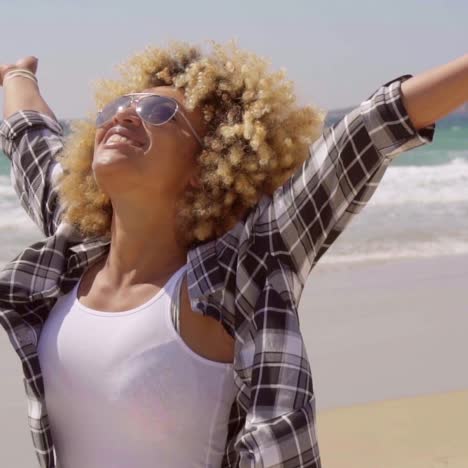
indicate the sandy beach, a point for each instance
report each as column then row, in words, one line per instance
column 419, row 432
column 387, row 345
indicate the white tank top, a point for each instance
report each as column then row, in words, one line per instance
column 122, row 389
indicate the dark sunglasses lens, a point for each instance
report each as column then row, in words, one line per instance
column 111, row 109
column 156, row 109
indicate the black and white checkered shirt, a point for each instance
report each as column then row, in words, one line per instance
column 250, row 279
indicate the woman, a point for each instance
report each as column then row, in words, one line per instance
column 180, row 188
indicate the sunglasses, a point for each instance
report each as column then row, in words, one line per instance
column 153, row 109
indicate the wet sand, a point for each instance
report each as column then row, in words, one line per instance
column 386, row 330
column 388, row 347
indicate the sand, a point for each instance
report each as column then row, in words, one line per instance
column 387, row 343
column 420, row 432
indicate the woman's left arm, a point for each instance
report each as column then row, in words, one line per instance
column 305, row 215
column 431, row 95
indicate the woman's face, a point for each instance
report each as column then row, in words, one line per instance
column 162, row 159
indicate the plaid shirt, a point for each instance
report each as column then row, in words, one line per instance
column 250, row 279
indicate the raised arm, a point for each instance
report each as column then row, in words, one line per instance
column 31, row 137
column 300, row 222
column 22, row 93
column 311, row 209
column 433, row 94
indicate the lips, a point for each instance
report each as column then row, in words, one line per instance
column 122, row 131
column 122, row 145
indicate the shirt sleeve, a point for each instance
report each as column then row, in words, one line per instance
column 280, row 425
column 346, row 163
column 286, row 441
column 31, row 140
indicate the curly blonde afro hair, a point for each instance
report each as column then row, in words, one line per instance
column 257, row 136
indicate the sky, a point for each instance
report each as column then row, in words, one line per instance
column 336, row 52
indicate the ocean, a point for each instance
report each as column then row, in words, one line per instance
column 420, row 208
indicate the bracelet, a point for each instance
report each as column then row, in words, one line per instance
column 24, row 76
column 19, row 72
column 22, row 70
column 25, row 73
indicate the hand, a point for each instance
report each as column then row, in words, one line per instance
column 29, row 63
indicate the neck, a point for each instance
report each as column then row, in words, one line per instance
column 143, row 248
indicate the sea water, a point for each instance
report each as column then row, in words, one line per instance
column 419, row 209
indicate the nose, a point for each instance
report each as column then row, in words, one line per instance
column 127, row 115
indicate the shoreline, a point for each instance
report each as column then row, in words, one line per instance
column 332, row 266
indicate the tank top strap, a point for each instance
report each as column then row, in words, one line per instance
column 175, row 301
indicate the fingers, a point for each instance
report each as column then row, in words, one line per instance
column 29, row 62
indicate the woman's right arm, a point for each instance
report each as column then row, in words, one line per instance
column 22, row 93
column 31, row 137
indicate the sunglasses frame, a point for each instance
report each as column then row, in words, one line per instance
column 137, row 97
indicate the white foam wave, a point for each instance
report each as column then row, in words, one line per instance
column 424, row 249
column 5, row 185
column 447, row 183
column 14, row 218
